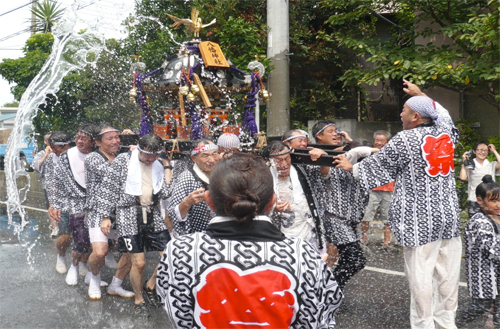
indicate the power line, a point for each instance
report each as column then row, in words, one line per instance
column 30, row 28
column 18, row 7
column 16, row 34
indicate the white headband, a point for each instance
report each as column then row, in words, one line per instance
column 280, row 153
column 109, row 131
column 148, row 152
column 321, row 130
column 293, row 137
column 86, row 132
column 203, row 148
column 60, row 143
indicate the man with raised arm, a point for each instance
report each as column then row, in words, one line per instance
column 424, row 212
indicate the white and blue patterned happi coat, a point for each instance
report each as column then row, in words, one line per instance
column 111, row 196
column 210, row 282
column 69, row 195
column 96, row 165
column 424, row 206
column 482, row 257
column 50, row 177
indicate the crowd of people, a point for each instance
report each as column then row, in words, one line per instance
column 256, row 239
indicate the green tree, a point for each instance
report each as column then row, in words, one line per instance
column 94, row 94
column 47, row 13
column 22, row 70
column 11, row 104
column 468, row 63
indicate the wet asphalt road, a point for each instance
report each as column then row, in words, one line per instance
column 34, row 295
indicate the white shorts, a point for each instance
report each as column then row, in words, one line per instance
column 96, row 235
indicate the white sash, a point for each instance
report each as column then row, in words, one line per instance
column 133, row 186
column 201, row 174
column 77, row 166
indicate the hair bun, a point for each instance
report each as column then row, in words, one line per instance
column 487, row 179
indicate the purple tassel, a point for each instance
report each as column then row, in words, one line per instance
column 196, row 128
column 146, row 120
column 249, row 117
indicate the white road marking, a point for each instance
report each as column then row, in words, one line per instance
column 382, row 270
column 30, row 208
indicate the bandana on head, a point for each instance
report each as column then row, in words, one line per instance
column 203, row 148
column 148, row 152
column 321, row 130
column 293, row 137
column 423, row 105
column 108, row 131
column 228, row 140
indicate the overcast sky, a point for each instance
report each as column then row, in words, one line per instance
column 108, row 13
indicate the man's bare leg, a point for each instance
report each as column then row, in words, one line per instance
column 387, row 234
column 124, row 266
column 96, row 259
column 136, row 275
column 365, row 226
column 63, row 243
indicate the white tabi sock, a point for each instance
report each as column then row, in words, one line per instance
column 116, row 282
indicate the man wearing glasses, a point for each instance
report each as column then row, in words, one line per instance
column 187, row 209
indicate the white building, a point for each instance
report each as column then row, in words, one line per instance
column 7, row 117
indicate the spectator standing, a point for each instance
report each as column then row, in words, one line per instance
column 481, row 168
column 380, row 199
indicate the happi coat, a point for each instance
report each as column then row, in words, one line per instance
column 482, row 257
column 199, row 214
column 96, row 165
column 35, row 164
column 69, row 195
column 112, row 196
column 246, row 275
column 50, row 178
column 343, row 201
column 284, row 220
column 424, row 206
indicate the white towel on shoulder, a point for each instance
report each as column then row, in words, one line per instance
column 133, row 186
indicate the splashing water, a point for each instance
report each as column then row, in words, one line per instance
column 154, row 19
column 71, row 51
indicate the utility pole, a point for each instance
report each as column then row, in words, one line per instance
column 278, row 119
column 33, row 17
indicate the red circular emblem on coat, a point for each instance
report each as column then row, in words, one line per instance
column 438, row 153
column 261, row 297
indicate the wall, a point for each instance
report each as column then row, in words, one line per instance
column 36, row 196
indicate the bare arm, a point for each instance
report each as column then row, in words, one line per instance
column 168, row 171
column 192, row 199
column 412, row 89
column 463, row 172
column 494, row 151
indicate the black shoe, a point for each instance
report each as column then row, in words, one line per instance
column 141, row 309
column 150, row 296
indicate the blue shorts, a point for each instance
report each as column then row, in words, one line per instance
column 80, row 234
column 63, row 225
